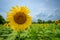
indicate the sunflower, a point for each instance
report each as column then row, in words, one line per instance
column 18, row 18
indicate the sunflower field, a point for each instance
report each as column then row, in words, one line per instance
column 34, row 32
column 19, row 26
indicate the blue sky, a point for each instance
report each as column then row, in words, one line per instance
column 43, row 9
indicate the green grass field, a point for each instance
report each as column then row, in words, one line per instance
column 34, row 32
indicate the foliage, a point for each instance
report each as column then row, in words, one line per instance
column 39, row 21
column 34, row 32
column 4, row 32
column 34, row 22
column 2, row 20
column 49, row 21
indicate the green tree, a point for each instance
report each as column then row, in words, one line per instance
column 49, row 21
column 2, row 20
column 39, row 21
column 43, row 21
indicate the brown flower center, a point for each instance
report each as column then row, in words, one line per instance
column 20, row 18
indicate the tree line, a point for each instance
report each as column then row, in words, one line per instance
column 43, row 21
